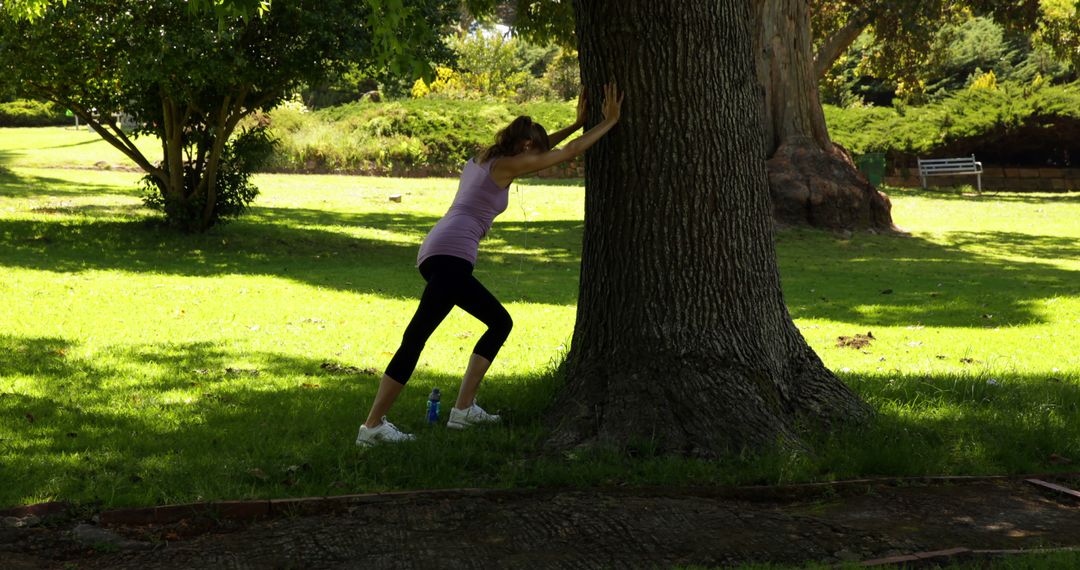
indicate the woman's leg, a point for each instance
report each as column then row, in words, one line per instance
column 476, row 300
column 384, row 399
column 443, row 281
column 478, row 366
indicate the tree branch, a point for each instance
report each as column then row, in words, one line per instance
column 121, row 142
column 836, row 45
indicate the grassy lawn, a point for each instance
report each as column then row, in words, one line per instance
column 138, row 366
column 1033, row 561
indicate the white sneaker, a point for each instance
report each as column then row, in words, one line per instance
column 385, row 431
column 461, row 419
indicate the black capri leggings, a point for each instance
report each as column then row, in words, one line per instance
column 449, row 282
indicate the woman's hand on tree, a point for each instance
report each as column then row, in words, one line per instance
column 612, row 102
column 582, row 110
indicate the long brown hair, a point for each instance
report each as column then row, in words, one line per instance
column 509, row 141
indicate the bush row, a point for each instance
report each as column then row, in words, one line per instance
column 1010, row 124
column 406, row 138
column 28, row 113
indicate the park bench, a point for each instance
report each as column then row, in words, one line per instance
column 950, row 166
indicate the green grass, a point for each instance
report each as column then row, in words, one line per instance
column 117, row 338
column 1032, row 561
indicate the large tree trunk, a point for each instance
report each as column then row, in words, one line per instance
column 811, row 180
column 683, row 342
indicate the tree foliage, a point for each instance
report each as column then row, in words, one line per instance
column 904, row 32
column 488, row 64
column 189, row 76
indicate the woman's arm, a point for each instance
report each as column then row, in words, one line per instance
column 559, row 136
column 506, row 169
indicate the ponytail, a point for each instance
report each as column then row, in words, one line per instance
column 509, row 141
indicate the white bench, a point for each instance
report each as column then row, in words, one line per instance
column 950, row 166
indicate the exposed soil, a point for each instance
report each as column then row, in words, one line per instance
column 637, row 528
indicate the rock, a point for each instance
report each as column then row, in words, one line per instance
column 22, row 522
column 846, row 556
column 97, row 537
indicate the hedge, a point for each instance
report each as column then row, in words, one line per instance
column 30, row 113
column 1010, row 125
column 409, row 137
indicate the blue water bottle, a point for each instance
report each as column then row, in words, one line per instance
column 433, row 406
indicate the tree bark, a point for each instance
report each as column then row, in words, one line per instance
column 811, row 179
column 683, row 342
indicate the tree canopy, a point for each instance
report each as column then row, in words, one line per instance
column 904, row 31
column 189, row 76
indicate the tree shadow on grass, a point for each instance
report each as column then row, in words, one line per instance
column 959, row 424
column 887, row 281
column 518, row 262
column 185, row 429
column 870, row 280
column 13, row 185
column 167, row 423
column 956, row 194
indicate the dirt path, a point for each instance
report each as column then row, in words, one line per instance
column 579, row 529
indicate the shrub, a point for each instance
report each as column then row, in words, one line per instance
column 30, row 113
column 410, row 137
column 243, row 155
column 1011, row 124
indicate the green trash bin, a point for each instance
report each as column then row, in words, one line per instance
column 873, row 166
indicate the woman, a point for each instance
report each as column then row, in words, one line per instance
column 447, row 256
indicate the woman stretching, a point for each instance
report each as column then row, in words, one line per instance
column 448, row 254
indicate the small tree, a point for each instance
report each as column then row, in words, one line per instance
column 189, row 76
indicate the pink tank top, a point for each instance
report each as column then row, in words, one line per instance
column 479, row 199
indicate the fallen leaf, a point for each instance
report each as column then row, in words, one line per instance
column 30, row 418
column 857, row 341
column 306, row 385
column 941, row 357
column 968, row 360
column 886, row 291
column 258, row 474
column 339, row 368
